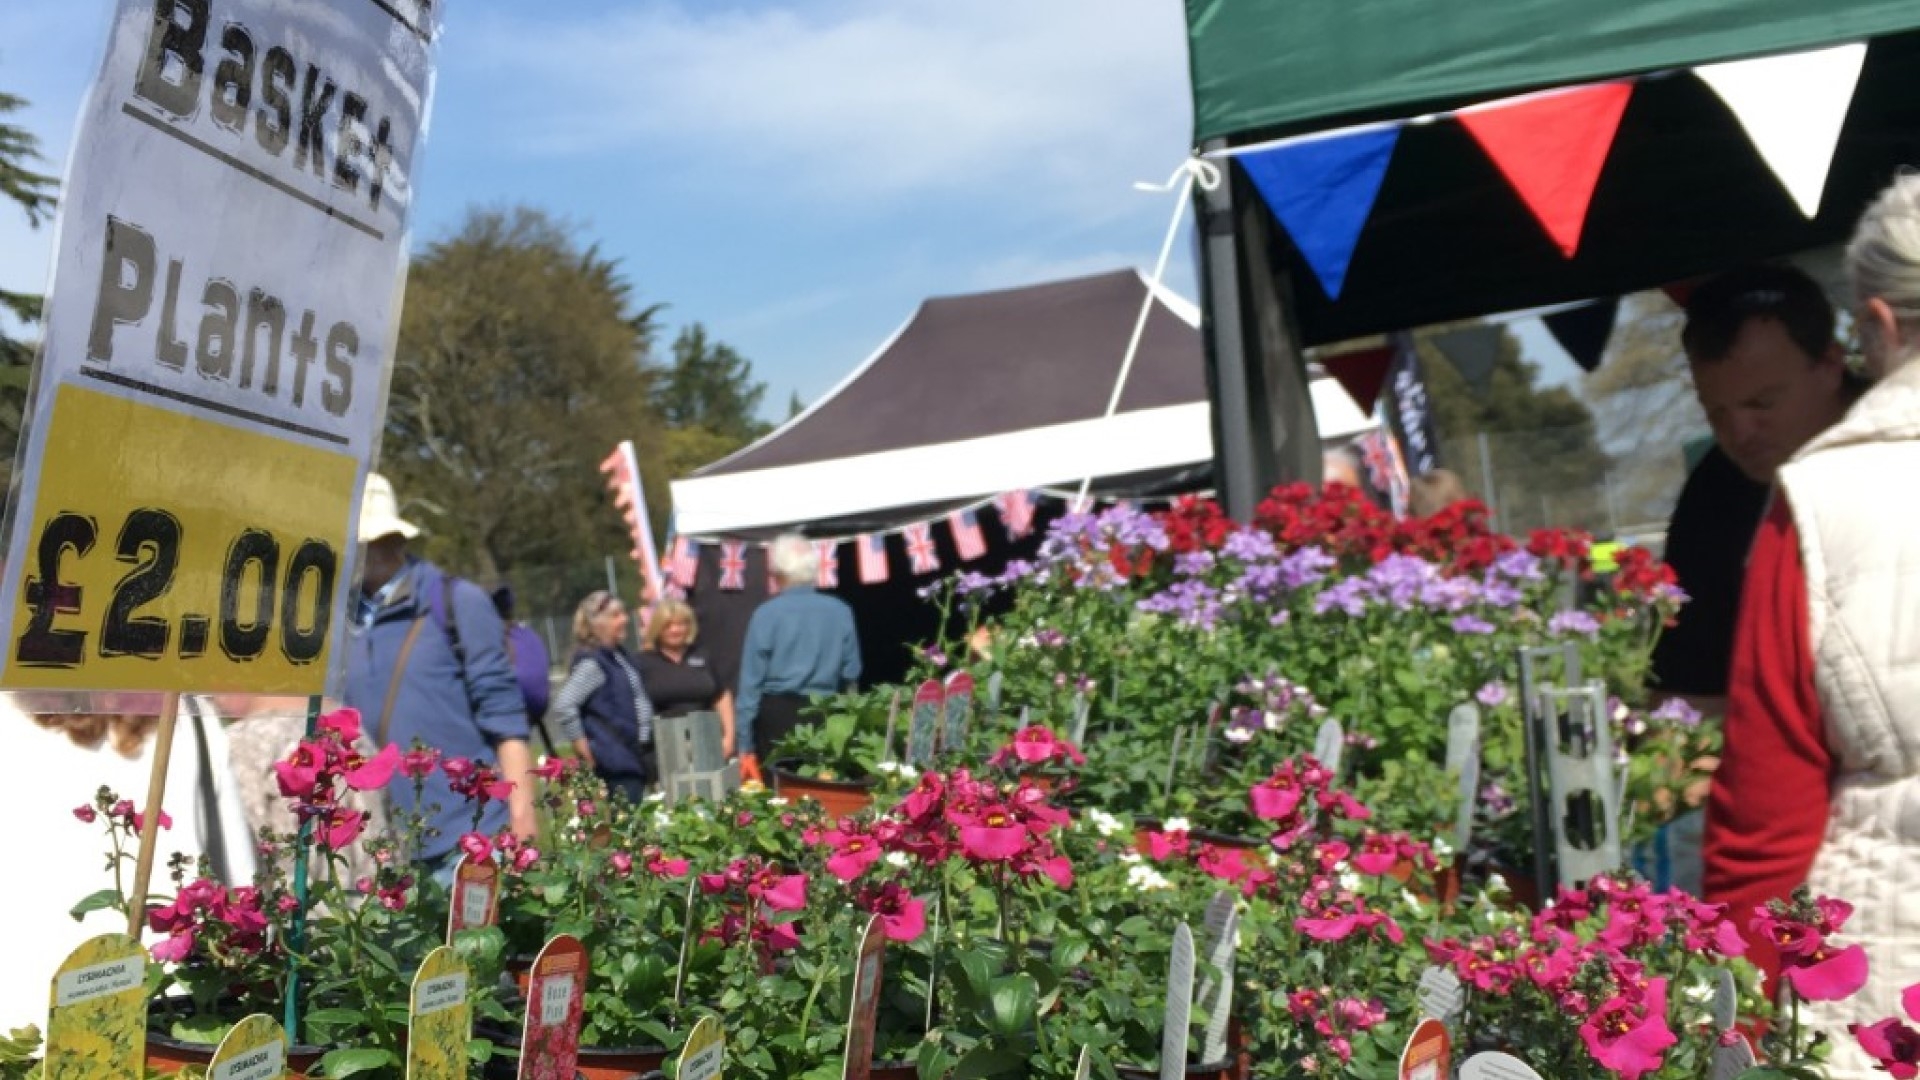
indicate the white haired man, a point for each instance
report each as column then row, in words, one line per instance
column 1819, row 784
column 799, row 644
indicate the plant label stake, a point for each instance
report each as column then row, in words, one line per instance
column 99, row 999
column 1077, row 735
column 863, row 1011
column 933, row 958
column 439, row 1020
column 256, row 1049
column 1729, row 1061
column 476, row 896
column 556, row 1003
column 705, row 1052
column 1428, row 1054
column 150, row 820
column 921, row 723
column 1585, row 805
column 1463, row 760
column 1328, row 743
column 959, row 712
column 1173, row 762
column 686, row 938
column 1537, row 726
column 1493, row 1065
column 994, row 686
column 1441, row 993
column 1179, row 1014
column 1208, row 745
column 1084, row 1070
column 1726, row 1001
column 1222, row 927
column 893, row 719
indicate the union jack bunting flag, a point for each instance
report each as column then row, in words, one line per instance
column 733, row 565
column 686, row 561
column 968, row 540
column 873, row 560
column 920, row 551
column 1016, row 512
column 828, row 553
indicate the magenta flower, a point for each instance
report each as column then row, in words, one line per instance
column 477, row 846
column 374, row 773
column 174, row 949
column 299, row 774
column 853, row 853
column 140, row 820
column 1057, row 869
column 663, row 867
column 524, row 859
column 994, row 836
column 1277, row 796
column 1829, row 974
column 1332, row 926
column 1162, row 846
column 622, row 864
column 1628, row 1037
column 1377, row 855
column 1894, row 1045
column 902, row 917
column 419, row 764
column 781, row 892
column 343, row 723
column 86, row 813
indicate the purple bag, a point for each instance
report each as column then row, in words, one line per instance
column 528, row 655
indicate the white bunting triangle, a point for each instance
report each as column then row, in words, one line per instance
column 1792, row 108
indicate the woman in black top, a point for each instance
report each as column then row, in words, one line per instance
column 679, row 678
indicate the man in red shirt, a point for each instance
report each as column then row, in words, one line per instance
column 1820, row 780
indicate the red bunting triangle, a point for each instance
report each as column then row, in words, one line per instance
column 1361, row 374
column 1551, row 147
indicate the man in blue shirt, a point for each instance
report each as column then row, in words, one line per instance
column 427, row 663
column 799, row 644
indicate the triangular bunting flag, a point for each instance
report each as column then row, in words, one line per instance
column 1550, row 147
column 1583, row 331
column 1473, row 351
column 1322, row 189
column 1792, row 108
column 1361, row 374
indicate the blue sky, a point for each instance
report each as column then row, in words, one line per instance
column 797, row 176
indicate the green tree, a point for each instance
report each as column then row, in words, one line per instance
column 1547, row 464
column 709, row 385
column 1644, row 405
column 33, row 192
column 522, row 362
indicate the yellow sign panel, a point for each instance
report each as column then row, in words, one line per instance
column 98, row 1029
column 440, row 1021
column 172, row 553
column 256, row 1049
column 705, row 1053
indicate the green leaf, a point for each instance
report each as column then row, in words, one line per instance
column 351, row 1060
column 332, row 1016
column 1015, row 1001
column 989, row 1059
column 104, row 900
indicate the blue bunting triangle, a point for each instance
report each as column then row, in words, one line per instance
column 1322, row 190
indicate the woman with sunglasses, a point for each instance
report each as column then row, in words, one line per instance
column 602, row 708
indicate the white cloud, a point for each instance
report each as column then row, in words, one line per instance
column 1062, row 102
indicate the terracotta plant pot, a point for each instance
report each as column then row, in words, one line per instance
column 894, row 1070
column 168, row 1055
column 594, row 1063
column 1218, row 1070
column 837, row 797
column 1446, row 881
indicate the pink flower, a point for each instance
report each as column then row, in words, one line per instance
column 713, row 884
column 781, row 937
column 1332, row 926
column 1162, row 846
column 1727, row 940
column 140, row 821
column 1894, row 1045
column 1630, row 1037
column 622, row 863
column 995, row 836
column 1227, row 864
column 175, row 949
column 341, row 827
column 853, row 853
column 524, row 859
column 902, row 917
column 781, row 892
column 343, row 723
column 477, row 846
column 419, row 764
column 1377, row 855
column 663, row 867
column 374, row 773
column 552, row 768
column 1276, row 796
column 86, row 813
column 457, row 769
column 1058, row 870
column 1342, row 805
column 1830, row 974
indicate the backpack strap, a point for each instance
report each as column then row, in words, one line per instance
column 399, row 673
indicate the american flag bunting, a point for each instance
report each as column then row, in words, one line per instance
column 686, row 562
column 920, row 551
column 873, row 560
column 733, row 565
column 968, row 541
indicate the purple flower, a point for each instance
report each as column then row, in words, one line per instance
column 1493, row 695
column 1280, row 618
column 1248, row 545
column 1472, row 624
column 1349, row 596
column 1049, row 638
column 1677, row 711
column 1500, row 594
column 1195, row 603
column 1449, row 594
column 1402, row 578
column 971, row 581
column 1193, row 563
column 1496, row 800
column 1573, row 622
column 1304, row 567
column 1517, row 566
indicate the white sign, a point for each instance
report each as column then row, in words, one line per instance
column 218, row 337
column 1222, row 926
column 1441, row 993
column 1493, row 1065
column 1179, row 1014
column 1328, row 743
column 442, row 994
column 555, row 996
column 100, row 980
column 476, row 903
column 1729, row 1061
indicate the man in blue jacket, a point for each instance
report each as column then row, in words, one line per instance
column 427, row 664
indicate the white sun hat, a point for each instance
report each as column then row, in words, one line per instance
column 380, row 512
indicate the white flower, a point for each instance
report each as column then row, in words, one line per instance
column 1130, row 857
column 662, row 819
column 777, row 800
column 1442, row 847
column 1106, row 824
column 899, row 860
column 656, row 796
column 1274, row 721
column 1349, row 880
column 899, row 768
column 1236, row 734
column 573, row 822
column 1145, row 878
column 1176, row 824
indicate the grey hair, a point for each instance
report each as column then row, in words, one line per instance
column 794, row 560
column 1883, row 259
